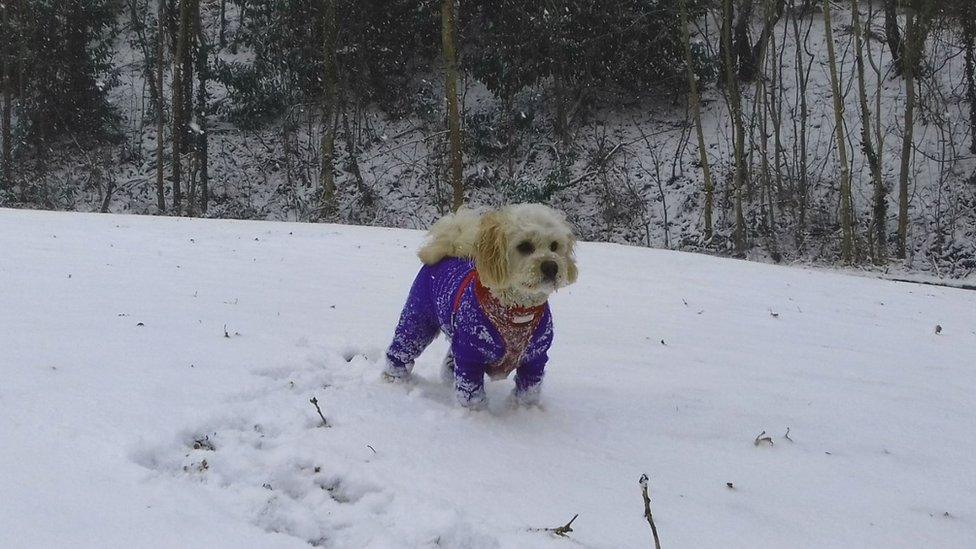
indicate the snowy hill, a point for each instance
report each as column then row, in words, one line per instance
column 156, row 377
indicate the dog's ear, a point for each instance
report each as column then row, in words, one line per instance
column 571, row 271
column 491, row 251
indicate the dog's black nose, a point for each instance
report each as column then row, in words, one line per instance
column 549, row 270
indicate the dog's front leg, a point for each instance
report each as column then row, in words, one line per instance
column 469, row 383
column 528, row 380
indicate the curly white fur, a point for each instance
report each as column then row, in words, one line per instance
column 509, row 247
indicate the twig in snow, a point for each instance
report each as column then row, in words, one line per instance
column 647, row 510
column 371, row 448
column 561, row 531
column 787, row 435
column 763, row 437
column 315, row 402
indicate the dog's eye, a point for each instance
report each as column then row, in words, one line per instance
column 554, row 246
column 525, row 247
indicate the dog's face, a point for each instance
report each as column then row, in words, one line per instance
column 525, row 250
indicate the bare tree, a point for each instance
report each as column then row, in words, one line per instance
column 969, row 39
column 351, row 140
column 330, row 26
column 183, row 37
column 893, row 34
column 221, row 40
column 751, row 55
column 202, row 140
column 160, row 107
column 136, row 18
column 916, row 29
column 450, row 92
column 694, row 102
column 847, row 226
column 879, row 208
column 803, row 70
column 739, row 134
column 6, row 80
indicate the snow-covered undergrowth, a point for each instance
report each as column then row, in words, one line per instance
column 156, row 377
column 631, row 173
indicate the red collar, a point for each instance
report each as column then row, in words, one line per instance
column 496, row 311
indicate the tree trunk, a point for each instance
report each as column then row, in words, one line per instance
column 803, row 79
column 223, row 23
column 694, row 102
column 742, row 40
column 330, row 26
column 749, row 67
column 202, row 135
column 893, row 34
column 450, row 92
column 6, row 80
column 188, row 82
column 351, row 145
column 969, row 37
column 879, row 209
column 161, row 107
column 847, row 227
column 765, row 170
column 906, row 148
column 739, row 134
column 139, row 27
column 183, row 34
column 775, row 105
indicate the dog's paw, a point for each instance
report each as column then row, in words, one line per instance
column 474, row 406
column 473, row 398
column 394, row 373
column 395, row 378
column 526, row 398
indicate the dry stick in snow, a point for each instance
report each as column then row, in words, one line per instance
column 315, row 402
column 647, row 511
column 560, row 531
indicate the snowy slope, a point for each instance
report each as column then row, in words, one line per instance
column 114, row 361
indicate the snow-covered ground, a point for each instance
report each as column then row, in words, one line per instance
column 129, row 419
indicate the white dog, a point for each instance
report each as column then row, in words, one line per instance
column 485, row 284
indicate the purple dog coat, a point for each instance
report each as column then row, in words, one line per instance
column 485, row 337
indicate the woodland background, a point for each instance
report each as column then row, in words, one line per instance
column 778, row 130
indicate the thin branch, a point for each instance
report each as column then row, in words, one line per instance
column 647, row 511
column 560, row 531
column 763, row 437
column 315, row 402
